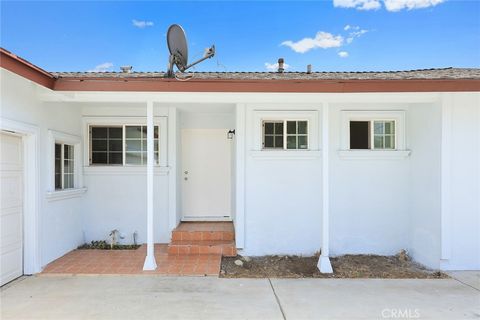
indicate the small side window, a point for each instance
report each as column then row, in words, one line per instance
column 285, row 134
column 375, row 134
column 64, row 166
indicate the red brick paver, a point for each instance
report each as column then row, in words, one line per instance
column 131, row 262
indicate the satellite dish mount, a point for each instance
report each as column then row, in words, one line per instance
column 177, row 45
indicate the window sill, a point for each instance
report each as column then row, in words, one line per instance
column 373, row 154
column 65, row 194
column 286, row 154
column 124, row 170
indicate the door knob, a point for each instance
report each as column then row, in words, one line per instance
column 185, row 178
column 186, row 172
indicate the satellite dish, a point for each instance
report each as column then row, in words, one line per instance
column 177, row 45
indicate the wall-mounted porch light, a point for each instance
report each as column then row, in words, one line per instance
column 230, row 134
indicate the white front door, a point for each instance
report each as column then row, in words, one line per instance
column 206, row 174
column 11, row 207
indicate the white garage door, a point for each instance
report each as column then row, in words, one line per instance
column 11, row 206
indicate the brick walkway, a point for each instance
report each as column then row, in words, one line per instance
column 131, row 262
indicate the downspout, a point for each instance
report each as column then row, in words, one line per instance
column 324, row 264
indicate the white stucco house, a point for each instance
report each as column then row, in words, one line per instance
column 345, row 163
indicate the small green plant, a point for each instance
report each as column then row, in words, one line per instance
column 103, row 245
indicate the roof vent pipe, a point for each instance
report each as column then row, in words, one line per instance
column 126, row 69
column 280, row 65
column 309, row 68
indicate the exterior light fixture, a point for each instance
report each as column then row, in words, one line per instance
column 230, row 134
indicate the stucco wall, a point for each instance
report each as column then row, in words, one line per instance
column 424, row 183
column 60, row 221
column 118, row 200
column 461, row 174
column 369, row 197
column 282, row 196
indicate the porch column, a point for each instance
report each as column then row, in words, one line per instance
column 150, row 263
column 324, row 264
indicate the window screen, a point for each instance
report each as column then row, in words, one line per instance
column 136, row 144
column 384, row 134
column 297, row 135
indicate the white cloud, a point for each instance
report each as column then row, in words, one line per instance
column 142, row 23
column 354, row 34
column 274, row 66
column 390, row 5
column 397, row 5
column 106, row 66
column 343, row 54
column 349, row 27
column 358, row 4
column 322, row 40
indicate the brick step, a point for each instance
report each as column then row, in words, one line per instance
column 197, row 235
column 193, row 247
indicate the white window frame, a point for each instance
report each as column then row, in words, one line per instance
column 124, row 145
column 285, row 134
column 398, row 116
column 57, row 137
column 258, row 118
column 62, row 165
column 160, row 169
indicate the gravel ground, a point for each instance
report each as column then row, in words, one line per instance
column 347, row 266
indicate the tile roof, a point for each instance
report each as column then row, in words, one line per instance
column 421, row 74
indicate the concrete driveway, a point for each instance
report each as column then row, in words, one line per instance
column 155, row 297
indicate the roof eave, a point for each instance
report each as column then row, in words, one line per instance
column 287, row 86
column 15, row 64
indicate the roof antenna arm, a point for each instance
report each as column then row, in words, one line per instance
column 171, row 60
column 209, row 53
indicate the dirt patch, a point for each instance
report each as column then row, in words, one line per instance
column 103, row 245
column 347, row 266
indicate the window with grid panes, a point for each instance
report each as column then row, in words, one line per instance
column 375, row 134
column 285, row 134
column 136, row 145
column 118, row 145
column 106, row 145
column 64, row 166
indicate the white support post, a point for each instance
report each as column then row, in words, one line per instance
column 150, row 263
column 446, row 177
column 324, row 264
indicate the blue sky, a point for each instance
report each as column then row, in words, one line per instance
column 332, row 35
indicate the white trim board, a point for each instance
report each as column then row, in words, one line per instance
column 30, row 139
column 64, row 138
